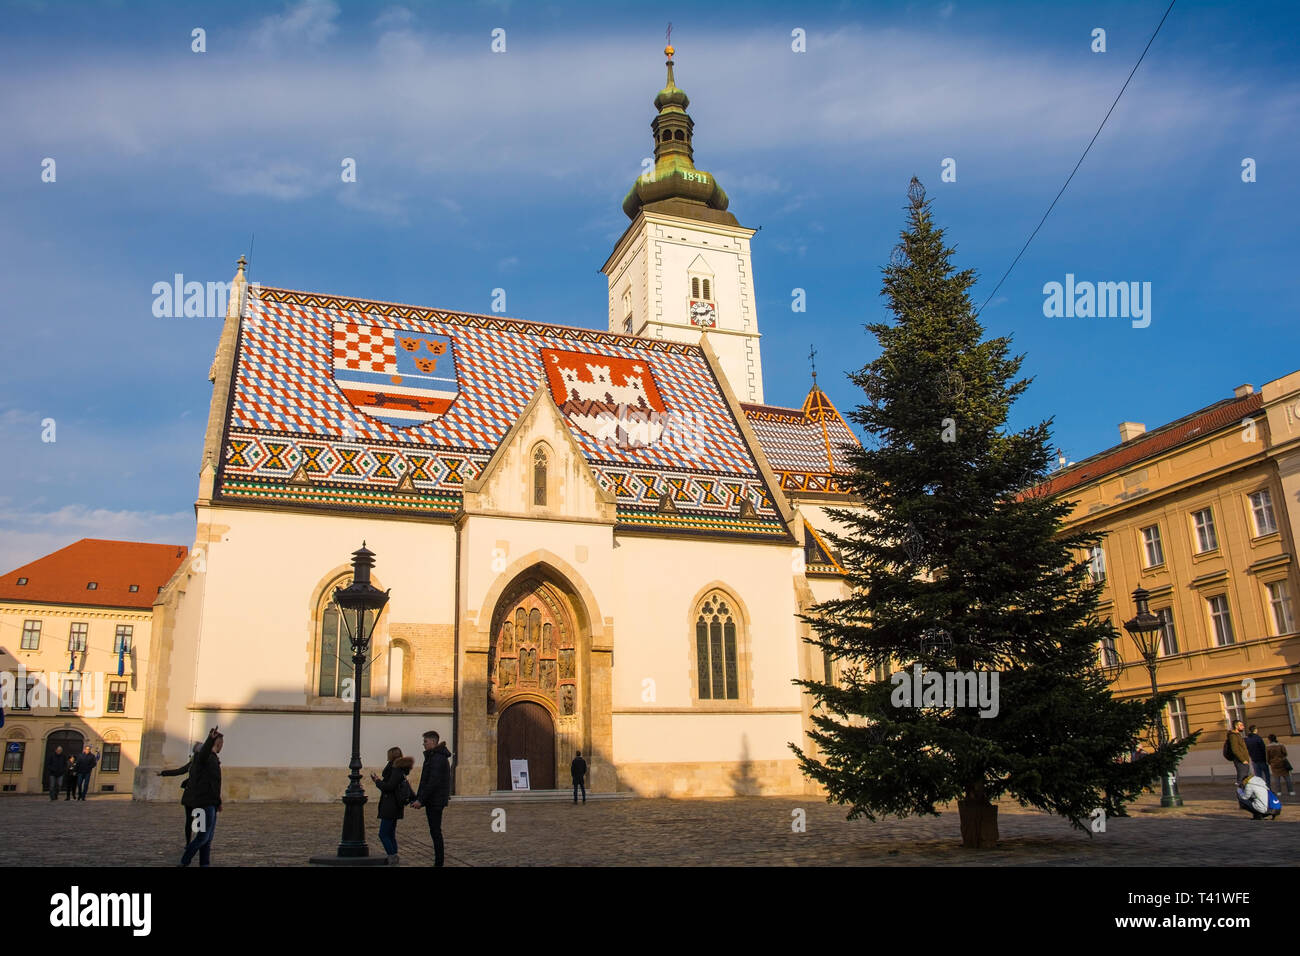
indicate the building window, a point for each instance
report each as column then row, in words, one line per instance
column 1234, row 708
column 1168, row 636
column 70, row 693
column 539, row 476
column 1108, row 654
column 1221, row 618
column 31, row 635
column 1206, row 539
column 1261, row 506
column 22, row 582
column 695, row 287
column 117, row 697
column 1097, row 564
column 715, row 649
column 122, row 639
column 92, row 586
column 24, row 702
column 15, row 750
column 110, row 758
column 1178, row 727
column 133, row 588
column 336, row 668
column 708, row 292
column 627, row 308
column 1279, row 600
column 1293, row 706
column 77, row 636
column 1152, row 548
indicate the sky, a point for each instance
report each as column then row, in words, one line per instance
column 479, row 169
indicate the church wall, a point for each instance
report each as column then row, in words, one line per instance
column 667, row 739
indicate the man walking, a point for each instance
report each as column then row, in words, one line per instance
column 203, row 798
column 1258, row 751
column 1234, row 748
column 578, row 770
column 435, row 789
column 56, row 765
column 85, row 764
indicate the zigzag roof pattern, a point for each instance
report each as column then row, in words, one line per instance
column 327, row 411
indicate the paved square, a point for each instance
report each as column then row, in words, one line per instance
column 748, row 831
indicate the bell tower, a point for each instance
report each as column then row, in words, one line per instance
column 682, row 269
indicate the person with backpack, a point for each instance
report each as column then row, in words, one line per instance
column 1279, row 765
column 578, row 771
column 1234, row 749
column 203, row 798
column 184, row 771
column 394, row 794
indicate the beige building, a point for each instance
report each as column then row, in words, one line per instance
column 75, row 631
column 1204, row 513
column 594, row 539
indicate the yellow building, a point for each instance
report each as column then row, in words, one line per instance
column 1204, row 513
column 74, row 641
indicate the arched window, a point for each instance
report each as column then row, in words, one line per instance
column 539, row 476
column 716, row 648
column 336, row 655
column 678, row 134
column 668, row 134
column 695, row 287
column 708, row 293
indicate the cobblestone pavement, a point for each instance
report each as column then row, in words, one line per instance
column 751, row 831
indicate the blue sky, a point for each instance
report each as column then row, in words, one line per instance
column 478, row 170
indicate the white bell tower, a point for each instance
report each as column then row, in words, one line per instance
column 683, row 269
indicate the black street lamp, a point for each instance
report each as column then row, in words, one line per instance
column 1144, row 629
column 360, row 603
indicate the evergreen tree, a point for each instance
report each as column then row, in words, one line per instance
column 960, row 564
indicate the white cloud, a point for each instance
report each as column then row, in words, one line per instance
column 309, row 22
column 31, row 534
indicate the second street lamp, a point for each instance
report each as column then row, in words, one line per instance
column 1145, row 628
column 360, row 603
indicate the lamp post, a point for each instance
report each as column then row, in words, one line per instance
column 1144, row 628
column 360, row 603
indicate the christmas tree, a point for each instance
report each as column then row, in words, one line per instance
column 968, row 647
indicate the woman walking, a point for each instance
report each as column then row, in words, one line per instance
column 394, row 794
column 1279, row 766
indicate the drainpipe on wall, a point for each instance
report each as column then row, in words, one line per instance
column 455, row 672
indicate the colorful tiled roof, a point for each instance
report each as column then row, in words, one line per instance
column 354, row 404
column 1198, row 424
column 804, row 446
column 112, row 566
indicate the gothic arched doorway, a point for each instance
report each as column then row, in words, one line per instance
column 70, row 740
column 526, row 732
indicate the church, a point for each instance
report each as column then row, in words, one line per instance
column 596, row 540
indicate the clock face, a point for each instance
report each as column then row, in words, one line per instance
column 703, row 314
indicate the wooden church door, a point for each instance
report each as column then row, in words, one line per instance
column 525, row 731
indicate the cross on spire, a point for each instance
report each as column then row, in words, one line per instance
column 812, row 362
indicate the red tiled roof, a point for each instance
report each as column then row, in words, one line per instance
column 62, row 577
column 1198, row 424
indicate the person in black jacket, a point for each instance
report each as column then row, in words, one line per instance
column 85, row 764
column 203, row 798
column 578, row 770
column 1258, row 751
column 435, row 789
column 56, row 765
column 394, row 793
column 178, row 771
column 70, row 778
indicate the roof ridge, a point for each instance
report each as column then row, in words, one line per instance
column 472, row 315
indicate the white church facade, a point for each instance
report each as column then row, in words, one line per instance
column 595, row 540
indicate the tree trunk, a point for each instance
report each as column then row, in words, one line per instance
column 979, row 820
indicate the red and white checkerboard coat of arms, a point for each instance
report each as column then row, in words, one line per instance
column 403, row 378
column 609, row 397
